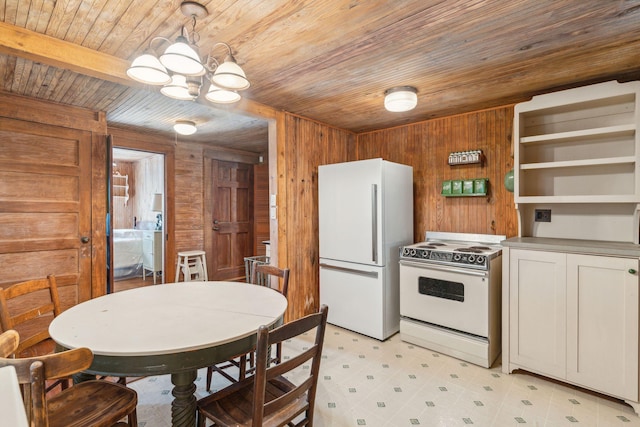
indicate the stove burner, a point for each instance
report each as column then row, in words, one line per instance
column 472, row 250
column 437, row 244
column 481, row 248
column 429, row 246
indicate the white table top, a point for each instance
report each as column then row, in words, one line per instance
column 169, row 318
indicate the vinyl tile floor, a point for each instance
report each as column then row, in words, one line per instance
column 365, row 382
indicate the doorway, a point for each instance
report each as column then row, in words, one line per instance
column 136, row 219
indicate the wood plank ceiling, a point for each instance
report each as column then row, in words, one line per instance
column 330, row 60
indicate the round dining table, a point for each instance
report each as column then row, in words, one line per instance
column 174, row 328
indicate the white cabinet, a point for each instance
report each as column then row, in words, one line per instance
column 573, row 317
column 602, row 324
column 537, row 305
column 152, row 252
column 574, row 149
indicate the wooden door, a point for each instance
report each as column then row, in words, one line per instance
column 229, row 217
column 45, row 206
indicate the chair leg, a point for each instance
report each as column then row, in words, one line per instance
column 200, row 419
column 209, row 375
column 278, row 358
column 243, row 367
column 133, row 419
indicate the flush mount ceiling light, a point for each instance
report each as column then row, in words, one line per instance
column 181, row 71
column 185, row 127
column 400, row 98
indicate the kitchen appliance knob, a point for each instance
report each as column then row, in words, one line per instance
column 471, row 258
column 632, row 271
column 412, row 252
column 457, row 257
column 480, row 260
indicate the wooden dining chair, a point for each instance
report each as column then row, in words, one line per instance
column 260, row 275
column 88, row 404
column 29, row 307
column 264, row 274
column 268, row 398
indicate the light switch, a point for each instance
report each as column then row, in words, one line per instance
column 272, row 200
column 273, row 210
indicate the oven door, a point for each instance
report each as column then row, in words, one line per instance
column 452, row 297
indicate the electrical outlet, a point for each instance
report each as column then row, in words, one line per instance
column 543, row 215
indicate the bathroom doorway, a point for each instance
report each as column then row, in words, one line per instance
column 136, row 219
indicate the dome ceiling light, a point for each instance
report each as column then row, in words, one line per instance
column 400, row 98
column 185, row 127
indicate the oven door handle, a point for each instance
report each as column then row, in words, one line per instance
column 448, row 269
column 373, row 274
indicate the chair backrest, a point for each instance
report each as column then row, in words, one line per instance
column 32, row 373
column 260, row 274
column 298, row 398
column 29, row 307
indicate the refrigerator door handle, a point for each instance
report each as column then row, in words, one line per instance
column 374, row 223
column 373, row 274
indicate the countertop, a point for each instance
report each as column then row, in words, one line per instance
column 574, row 245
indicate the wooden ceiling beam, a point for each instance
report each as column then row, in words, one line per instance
column 23, row 43
column 48, row 50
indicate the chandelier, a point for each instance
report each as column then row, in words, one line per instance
column 180, row 70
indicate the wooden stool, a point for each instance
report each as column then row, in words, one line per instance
column 193, row 265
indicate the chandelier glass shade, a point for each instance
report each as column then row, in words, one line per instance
column 146, row 68
column 229, row 75
column 222, row 96
column 400, row 98
column 177, row 88
column 183, row 59
column 181, row 71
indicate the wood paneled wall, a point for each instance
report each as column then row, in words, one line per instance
column 303, row 145
column 426, row 147
column 307, row 144
column 189, row 202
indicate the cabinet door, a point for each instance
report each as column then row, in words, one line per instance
column 602, row 324
column 537, row 311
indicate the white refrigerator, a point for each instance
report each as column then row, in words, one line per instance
column 365, row 216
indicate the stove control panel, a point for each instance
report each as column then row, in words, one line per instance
column 462, row 259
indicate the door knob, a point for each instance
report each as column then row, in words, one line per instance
column 216, row 228
column 215, row 221
column 632, row 271
column 84, row 239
